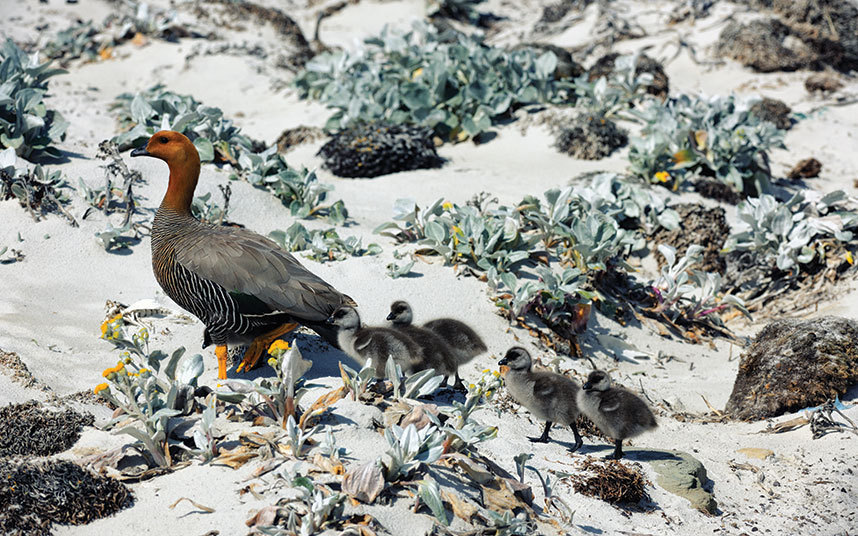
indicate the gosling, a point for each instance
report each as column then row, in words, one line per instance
column 435, row 353
column 464, row 343
column 376, row 343
column 549, row 396
column 618, row 413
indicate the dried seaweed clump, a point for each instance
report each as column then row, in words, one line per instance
column 794, row 364
column 30, row 429
column 830, row 27
column 660, row 85
column 700, row 225
column 762, row 45
column 591, row 137
column 33, row 495
column 717, row 190
column 774, row 111
column 612, row 481
column 377, row 149
column 292, row 137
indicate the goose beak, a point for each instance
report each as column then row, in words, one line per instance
column 587, row 386
column 389, row 316
column 503, row 361
column 140, row 151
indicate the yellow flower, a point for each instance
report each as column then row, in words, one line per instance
column 272, row 362
column 849, row 258
column 486, row 370
column 278, row 347
column 447, row 205
column 100, row 387
column 417, row 72
column 662, row 176
column 472, row 386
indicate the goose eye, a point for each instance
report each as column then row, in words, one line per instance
column 163, row 139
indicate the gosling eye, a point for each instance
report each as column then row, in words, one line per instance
column 163, row 139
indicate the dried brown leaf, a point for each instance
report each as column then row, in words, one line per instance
column 364, row 483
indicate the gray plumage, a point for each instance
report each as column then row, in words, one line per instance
column 549, row 396
column 376, row 343
column 463, row 342
column 436, row 354
column 617, row 412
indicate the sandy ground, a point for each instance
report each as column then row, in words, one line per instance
column 53, row 302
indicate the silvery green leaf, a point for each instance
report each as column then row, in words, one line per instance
column 141, row 110
column 430, row 494
column 189, row 369
column 205, row 148
column 293, row 366
column 669, row 253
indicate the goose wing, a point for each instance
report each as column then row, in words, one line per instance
column 246, row 263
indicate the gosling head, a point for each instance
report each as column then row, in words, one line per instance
column 400, row 313
column 516, row 358
column 598, row 380
column 345, row 317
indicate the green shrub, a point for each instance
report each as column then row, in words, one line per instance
column 458, row 89
column 716, row 137
column 26, row 124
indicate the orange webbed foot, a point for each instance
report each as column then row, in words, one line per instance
column 260, row 345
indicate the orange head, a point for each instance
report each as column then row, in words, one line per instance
column 183, row 160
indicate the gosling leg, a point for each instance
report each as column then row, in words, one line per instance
column 544, row 437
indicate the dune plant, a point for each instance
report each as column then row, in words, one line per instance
column 218, row 139
column 683, row 292
column 278, row 395
column 299, row 189
column 150, row 387
column 609, row 96
column 26, row 123
column 207, row 210
column 357, row 382
column 322, row 245
column 430, row 493
column 90, row 41
column 794, row 233
column 157, row 108
column 422, row 383
column 410, row 448
column 458, row 89
column 693, row 136
column 36, row 189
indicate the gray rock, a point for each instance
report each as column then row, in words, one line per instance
column 682, row 474
column 793, row 364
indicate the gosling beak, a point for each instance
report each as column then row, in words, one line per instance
column 330, row 320
column 140, row 151
column 503, row 361
column 587, row 386
column 390, row 316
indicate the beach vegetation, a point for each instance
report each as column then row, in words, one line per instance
column 27, row 125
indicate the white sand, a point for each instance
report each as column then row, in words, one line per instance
column 53, row 302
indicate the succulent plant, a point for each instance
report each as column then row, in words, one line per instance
column 375, row 149
column 37, row 190
column 144, row 113
column 793, row 233
column 322, row 245
column 689, row 136
column 26, row 124
column 410, row 448
column 149, row 387
column 682, row 291
column 457, row 89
